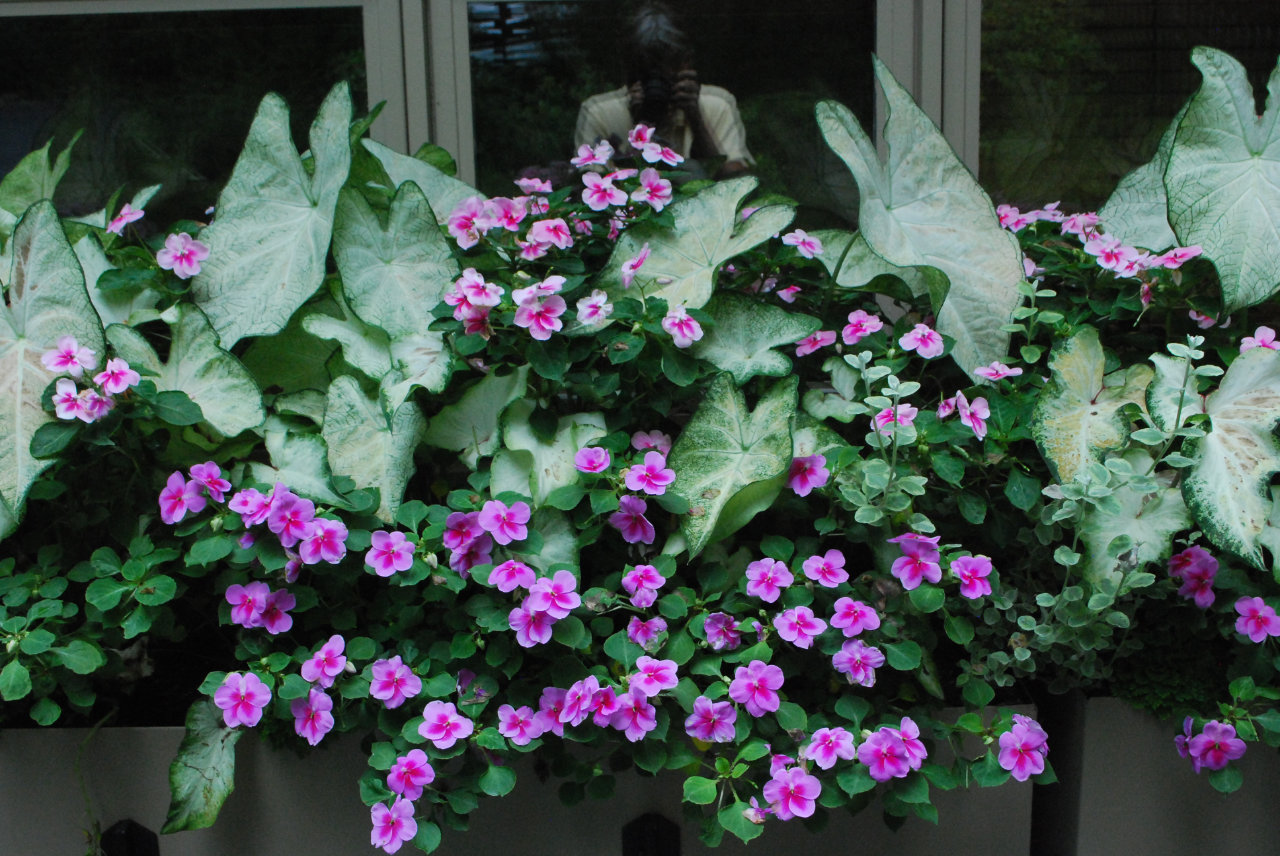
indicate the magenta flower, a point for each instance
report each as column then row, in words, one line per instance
column 209, row 477
column 631, row 265
column 389, row 552
column 884, row 755
column 1023, row 749
column 854, row 616
column 651, row 477
column 972, row 572
column 973, row 415
column 117, row 377
column 629, row 519
column 721, row 630
column 814, row 341
column 645, row 633
column 828, row 745
column 858, row 661
column 902, row 414
column 642, row 583
column 70, row 358
column 766, row 578
column 511, row 575
column 392, row 826
column 923, row 340
column 642, row 441
column 799, row 626
column 1196, row 568
column 327, row 663
column 684, row 330
column 410, row 774
column 505, row 524
column 541, row 316
column 807, row 473
column 275, row 617
column 826, row 570
column 653, row 189
column 792, row 793
column 241, row 699
column 251, row 505
column 635, row 716
column 653, row 676
column 290, row 516
column 557, row 595
column 247, row 602
column 531, row 627
column 127, row 215
column 326, row 541
column 393, row 682
column 909, row 733
column 550, row 703
column 1182, row 742
column 178, row 497
column 805, row 244
column 461, row 528
column 1257, row 620
column 996, row 371
column 711, row 721
column 443, row 725
column 579, row 700
column 755, row 687
column 478, row 552
column 860, row 326
column 1190, row 559
column 182, row 254
column 1215, row 746
column 919, row 560
column 312, row 718
column 519, row 725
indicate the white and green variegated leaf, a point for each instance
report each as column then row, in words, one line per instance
column 1138, row 210
column 745, row 333
column 559, row 540
column 112, row 307
column 102, row 217
column 470, row 425
column 34, row 179
column 683, row 261
column 365, row 445
column 443, row 191
column 731, row 462
column 366, row 348
column 840, row 403
column 392, row 277
column 851, row 261
column 1269, row 538
column 270, row 238
column 228, row 395
column 417, row 360
column 8, row 519
column 1172, row 397
column 1227, row 488
column 810, row 437
column 1223, row 179
column 924, row 208
column 1148, row 520
column 307, row 403
column 549, row 465
column 46, row 301
column 203, row 773
column 300, row 461
column 1078, row 417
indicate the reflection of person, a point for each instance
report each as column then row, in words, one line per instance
column 699, row 121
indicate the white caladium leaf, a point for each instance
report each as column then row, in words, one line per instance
column 549, row 465
column 924, row 208
column 112, row 308
column 46, row 300
column 1138, row 210
column 683, row 261
column 365, row 348
column 32, row 180
column 470, row 426
column 1269, row 538
column 270, row 239
column 1223, row 179
column 1078, row 417
column 300, row 461
column 744, row 334
column 1150, row 520
column 731, row 462
column 853, row 264
column 365, row 445
column 1172, row 397
column 1227, row 488
column 203, row 774
column 228, row 395
column 559, row 541
column 443, row 191
column 417, row 360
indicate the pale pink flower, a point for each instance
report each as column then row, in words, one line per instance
column 93, row 406
column 595, row 309
column 652, row 477
column 654, row 153
column 858, row 661
column 592, row 459
column 973, row 415
column 182, row 254
column 392, row 826
column 554, row 232
column 711, row 721
column 327, row 663
column 443, row 725
column 755, row 686
column 922, row 339
column 544, row 288
column 629, row 519
column 653, row 189
column 461, row 222
column 789, row 294
column 1204, row 322
column 410, row 774
column 389, row 552
column 600, row 192
column 861, row 325
column 593, row 156
column 1174, row 259
column 127, row 215
column 972, row 572
column 1012, row 219
column 854, row 616
column 654, row 439
column 178, row 497
column 511, row 575
column 116, row 377
column 1080, row 225
column 814, row 341
column 653, row 676
column 640, row 136
column 805, row 244
column 70, row 357
column 799, row 626
column 67, row 403
column 883, row 422
column 393, row 682
column 631, row 265
column 532, row 250
column 766, row 578
column 996, row 371
column 241, row 698
column 533, row 185
column 312, row 716
column 541, row 317
column 684, row 330
column 1263, row 337
column 947, row 406
column 826, row 570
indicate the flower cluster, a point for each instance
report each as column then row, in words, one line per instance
column 92, row 402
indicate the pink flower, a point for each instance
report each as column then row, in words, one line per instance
column 209, row 477
column 860, row 326
column 531, row 627
column 549, row 706
column 410, row 774
column 93, row 406
column 557, row 596
column 642, row 583
column 854, row 616
column 70, row 358
column 504, row 212
column 589, row 156
column 923, row 340
column 290, row 516
column 755, row 687
column 805, row 244
column 644, row 440
column 182, row 254
column 858, row 661
column 592, row 459
column 653, row 189
column 600, row 192
column 972, row 571
column 275, row 617
column 635, row 716
column 653, row 676
column 462, row 222
column 511, row 575
column 885, row 756
column 443, row 725
column 241, row 699
column 947, row 406
column 973, row 415
column 903, row 414
column 915, row 567
column 629, row 519
column 1012, row 219
column 554, row 231
column 67, row 403
column 1263, row 337
column 461, row 528
column 533, row 185
column 389, row 552
column 631, row 265
column 1204, row 322
column 1216, row 746
column 178, row 497
column 909, row 733
column 392, row 826
column 1192, row 558
column 117, row 377
column 1196, row 568
column 327, row 663
column 327, row 541
column 684, row 330
column 640, row 136
column 814, row 341
column 1257, row 620
column 579, row 700
column 792, row 793
column 826, row 570
column 1174, row 259
column 711, row 721
column 799, row 626
column 1080, row 225
column 251, row 505
column 595, row 309
column 519, row 725
column 541, row 317
column 789, row 294
column 393, row 682
column 1023, row 749
column 653, row 152
column 651, row 477
column 807, row 473
column 644, row 633
column 721, row 630
column 505, row 524
column 827, row 745
column 127, row 215
column 312, row 719
column 996, row 371
column 766, row 578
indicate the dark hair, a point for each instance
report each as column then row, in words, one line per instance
column 655, row 41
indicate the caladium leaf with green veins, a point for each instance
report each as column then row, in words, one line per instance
column 364, row 445
column 34, row 179
column 366, row 348
column 1172, row 397
column 417, row 359
column 46, row 301
column 683, row 261
column 1223, row 179
column 443, row 191
column 270, row 239
column 228, row 395
column 1138, row 211
column 1078, row 416
column 1150, row 520
column 470, row 426
column 1227, row 488
column 851, row 261
column 731, row 462
column 203, row 773
column 549, row 465
column 291, row 360
column 744, row 334
column 112, row 307
column 924, row 208
column 559, row 540
column 300, row 461
column 1269, row 538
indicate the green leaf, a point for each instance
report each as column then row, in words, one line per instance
column 202, row 774
column 106, row 593
column 988, row 773
column 52, row 437
column 733, row 818
column 274, row 221
column 176, row 408
column 927, row 598
column 1022, row 490
column 1172, row 396
column 80, row 656
column 700, row 791
column 1149, row 520
column 1227, row 780
column 973, row 508
column 923, row 208
column 209, row 550
column 470, row 426
column 156, row 590
column 744, row 334
column 978, row 693
column 15, row 681
column 903, row 656
column 958, row 629
column 428, row 837
column 498, row 781
column 730, row 463
column 442, row 190
column 791, row 716
column 45, row 711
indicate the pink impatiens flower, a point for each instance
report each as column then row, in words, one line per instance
column 393, row 682
column 755, row 686
column 70, row 357
column 1023, row 748
column 642, row 441
column 592, row 459
column 996, row 371
column 711, row 721
column 290, row 516
column 209, row 476
column 861, row 325
column 789, row 294
column 631, row 265
column 443, row 725
column 600, row 192
column 922, row 339
column 556, row 595
column 1257, row 620
column 806, row 245
column 902, row 414
column 594, row 310
column 635, row 716
column 652, row 477
column 684, row 330
column 858, row 661
column 1196, row 569
column 799, row 626
column 1215, row 746
column 854, row 616
column 653, row 676
column 826, row 570
column 117, row 377
column 511, row 575
column 884, row 755
column 519, row 724
column 180, row 496
column 392, row 826
column 629, row 519
column 972, row 572
column 1263, row 337
column 505, row 523
column 766, row 578
column 127, row 215
column 241, row 699
column 827, row 745
column 541, row 317
column 792, row 793
column 653, row 189
column 389, row 552
column 325, row 541
column 326, row 664
column 410, row 774
column 248, row 602
column 532, row 627
column 811, row 343
column 806, row 473
column 973, row 415
column 593, row 156
column 275, row 618
column 312, row 716
column 920, row 560
column 182, row 254
column 645, row 633
column 642, row 583
column 67, row 403
column 721, row 630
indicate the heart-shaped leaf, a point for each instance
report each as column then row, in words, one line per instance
column 745, row 332
column 300, row 461
column 443, row 191
column 1138, row 210
column 203, row 773
column 1149, row 520
column 545, row 466
column 470, row 426
column 32, row 180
